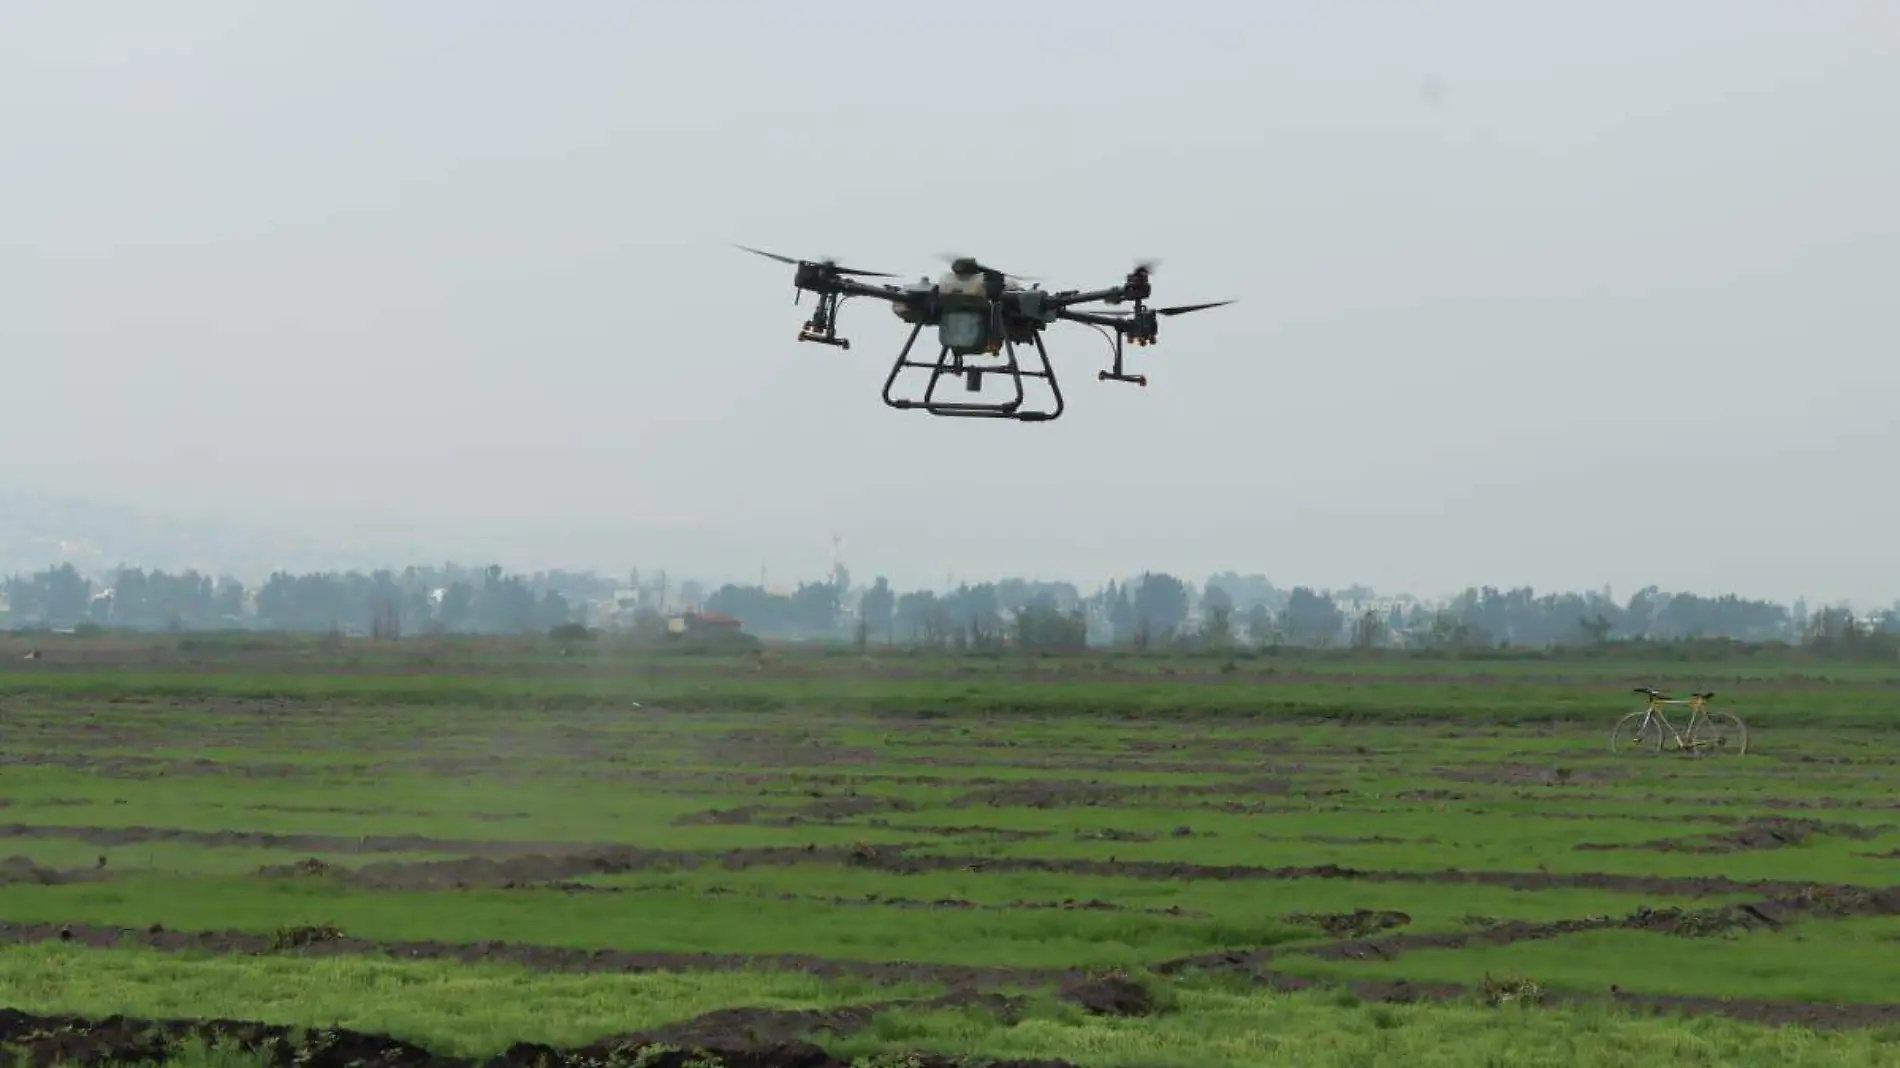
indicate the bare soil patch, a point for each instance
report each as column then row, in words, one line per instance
column 1681, row 801
column 537, row 957
column 954, row 904
column 1771, row 1012
column 1538, row 774
column 382, row 810
column 1771, row 914
column 1110, row 995
column 972, row 830
column 969, row 984
column 823, row 810
column 309, row 843
column 1358, row 923
column 1697, row 923
column 768, row 1029
column 131, row 767
column 18, row 869
column 894, row 860
column 733, row 1038
column 490, row 863
column 1055, row 794
column 501, row 870
column 533, row 870
column 1767, row 833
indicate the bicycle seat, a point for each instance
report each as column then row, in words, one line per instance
column 1710, row 696
column 1647, row 692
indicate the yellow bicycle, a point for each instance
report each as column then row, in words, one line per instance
column 1720, row 732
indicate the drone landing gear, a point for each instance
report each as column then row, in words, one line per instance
column 974, row 376
column 822, row 327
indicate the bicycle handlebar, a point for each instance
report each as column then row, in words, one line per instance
column 1660, row 696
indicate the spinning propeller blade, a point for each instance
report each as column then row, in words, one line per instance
column 970, row 265
column 1179, row 309
column 829, row 264
column 1183, row 309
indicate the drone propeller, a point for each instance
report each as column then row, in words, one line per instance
column 830, row 265
column 1183, row 309
column 967, row 265
column 1179, row 309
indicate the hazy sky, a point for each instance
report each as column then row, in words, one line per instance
column 1523, row 286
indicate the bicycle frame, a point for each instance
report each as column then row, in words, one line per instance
column 1685, row 739
column 1698, row 707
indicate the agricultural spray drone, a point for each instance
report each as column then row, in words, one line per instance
column 981, row 315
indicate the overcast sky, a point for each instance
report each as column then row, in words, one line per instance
column 1523, row 287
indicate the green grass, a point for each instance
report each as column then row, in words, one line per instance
column 1212, row 1028
column 1370, row 764
column 1435, row 694
column 1861, row 966
column 662, row 921
column 469, row 1010
column 479, row 1010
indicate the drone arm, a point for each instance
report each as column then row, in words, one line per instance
column 1116, row 323
column 1065, row 300
column 1106, row 322
column 846, row 287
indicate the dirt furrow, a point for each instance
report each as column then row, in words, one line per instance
column 598, row 857
column 319, row 941
column 482, row 872
column 1770, row 914
column 970, row 986
column 1756, row 834
column 499, row 863
column 887, row 859
column 1774, row 1012
column 735, row 1038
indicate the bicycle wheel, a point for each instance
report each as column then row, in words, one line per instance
column 1638, row 730
column 1720, row 734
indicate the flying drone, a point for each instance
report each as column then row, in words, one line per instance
column 981, row 314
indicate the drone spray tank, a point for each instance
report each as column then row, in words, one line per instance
column 963, row 327
column 976, row 310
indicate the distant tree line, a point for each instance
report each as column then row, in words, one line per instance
column 384, row 604
column 1151, row 612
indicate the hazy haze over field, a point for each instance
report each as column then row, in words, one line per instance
column 454, row 275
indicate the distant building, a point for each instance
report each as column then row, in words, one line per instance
column 702, row 623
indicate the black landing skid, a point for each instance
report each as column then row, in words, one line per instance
column 973, row 375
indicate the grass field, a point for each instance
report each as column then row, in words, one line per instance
column 1103, row 862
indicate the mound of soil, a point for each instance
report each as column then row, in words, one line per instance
column 1355, row 924
column 753, row 1028
column 540, row 870
column 1529, row 773
column 18, row 869
column 738, row 1038
column 1110, row 995
column 1769, row 833
column 309, row 843
column 973, row 830
column 1840, row 902
column 329, row 941
column 1725, row 920
column 309, row 867
column 1111, row 834
column 1060, row 794
column 822, row 811
column 1703, row 923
